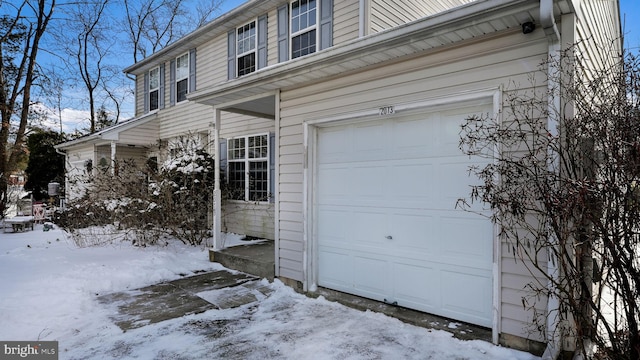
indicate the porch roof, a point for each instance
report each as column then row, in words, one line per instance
column 112, row 133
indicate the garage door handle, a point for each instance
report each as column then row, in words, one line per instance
column 389, row 237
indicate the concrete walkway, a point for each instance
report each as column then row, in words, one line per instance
column 190, row 295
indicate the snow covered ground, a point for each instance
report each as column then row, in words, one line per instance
column 49, row 289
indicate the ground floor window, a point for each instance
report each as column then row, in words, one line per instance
column 248, row 168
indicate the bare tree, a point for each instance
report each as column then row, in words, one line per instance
column 87, row 41
column 21, row 32
column 53, row 90
column 568, row 199
column 153, row 24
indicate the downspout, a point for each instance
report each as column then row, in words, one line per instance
column 547, row 20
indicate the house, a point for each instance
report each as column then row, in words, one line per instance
column 339, row 121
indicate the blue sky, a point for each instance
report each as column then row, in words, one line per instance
column 629, row 13
column 629, row 9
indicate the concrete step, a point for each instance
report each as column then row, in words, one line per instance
column 255, row 259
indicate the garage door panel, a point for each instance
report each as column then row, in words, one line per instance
column 366, row 182
column 414, row 233
column 413, row 138
column 411, row 181
column 333, row 184
column 467, row 296
column 368, row 141
column 449, row 136
column 388, row 196
column 414, row 284
column 370, row 273
column 368, row 227
column 459, row 183
column 471, row 243
column 334, row 225
column 334, row 146
column 335, row 268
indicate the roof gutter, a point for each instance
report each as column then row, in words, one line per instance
column 548, row 22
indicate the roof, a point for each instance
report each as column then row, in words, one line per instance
column 110, row 133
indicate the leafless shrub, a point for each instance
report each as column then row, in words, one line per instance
column 570, row 196
column 146, row 203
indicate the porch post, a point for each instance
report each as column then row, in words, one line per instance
column 217, row 198
column 113, row 158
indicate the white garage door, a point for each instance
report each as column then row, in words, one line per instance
column 387, row 227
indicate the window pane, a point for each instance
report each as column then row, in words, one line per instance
column 236, row 148
column 153, row 100
column 236, row 180
column 246, row 39
column 295, row 24
column 182, row 66
column 295, row 9
column 154, row 79
column 181, row 87
column 258, row 147
column 303, row 44
column 258, row 183
column 312, row 17
column 303, row 15
column 246, row 64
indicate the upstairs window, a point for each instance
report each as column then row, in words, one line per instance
column 303, row 27
column 182, row 77
column 154, row 89
column 246, row 48
column 248, row 168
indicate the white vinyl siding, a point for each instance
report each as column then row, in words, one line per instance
column 386, row 14
column 596, row 35
column 248, row 218
column 140, row 93
column 123, row 153
column 272, row 37
column 146, row 134
column 211, row 62
column 346, row 21
column 481, row 65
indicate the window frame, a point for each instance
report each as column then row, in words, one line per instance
column 156, row 89
column 253, row 51
column 247, row 160
column 315, row 27
column 185, row 77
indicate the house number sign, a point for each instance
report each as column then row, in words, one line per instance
column 386, row 110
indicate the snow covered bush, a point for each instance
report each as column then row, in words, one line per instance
column 146, row 202
column 183, row 191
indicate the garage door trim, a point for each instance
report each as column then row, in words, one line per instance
column 311, row 126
